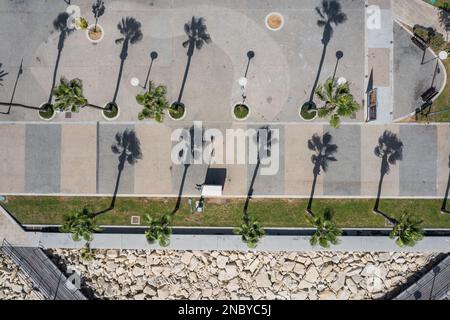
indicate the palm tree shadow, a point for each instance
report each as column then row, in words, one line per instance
column 264, row 144
column 444, row 202
column 330, row 14
column 130, row 29
column 128, row 148
column 2, row 75
column 194, row 154
column 323, row 153
column 59, row 24
column 197, row 36
column 389, row 150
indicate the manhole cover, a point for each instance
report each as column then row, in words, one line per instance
column 274, row 21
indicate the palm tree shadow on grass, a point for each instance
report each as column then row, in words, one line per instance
column 264, row 150
column 130, row 29
column 323, row 153
column 128, row 149
column 389, row 150
column 444, row 202
column 59, row 24
column 330, row 13
column 197, row 37
column 194, row 153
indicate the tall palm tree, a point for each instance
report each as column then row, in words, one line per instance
column 327, row 231
column 60, row 24
column 197, row 36
column 159, row 229
column 323, row 153
column 250, row 231
column 389, row 150
column 130, row 29
column 407, row 230
column 330, row 13
column 2, row 75
column 338, row 101
column 81, row 225
column 154, row 102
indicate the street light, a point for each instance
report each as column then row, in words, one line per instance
column 341, row 81
column 443, row 55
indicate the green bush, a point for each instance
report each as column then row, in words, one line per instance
column 434, row 39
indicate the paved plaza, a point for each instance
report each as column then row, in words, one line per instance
column 71, row 155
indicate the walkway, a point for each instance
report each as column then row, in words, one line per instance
column 46, row 277
column 11, row 230
column 435, row 285
column 414, row 12
column 76, row 159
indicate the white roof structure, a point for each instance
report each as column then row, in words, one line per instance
column 211, row 191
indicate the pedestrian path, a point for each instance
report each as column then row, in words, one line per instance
column 76, row 159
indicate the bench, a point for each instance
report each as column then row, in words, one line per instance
column 429, row 94
column 419, row 42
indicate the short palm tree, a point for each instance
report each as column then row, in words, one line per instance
column 81, row 225
column 251, row 232
column 69, row 95
column 407, row 230
column 339, row 102
column 327, row 231
column 159, row 229
column 154, row 102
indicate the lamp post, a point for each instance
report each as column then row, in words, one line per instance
column 135, row 82
column 443, row 55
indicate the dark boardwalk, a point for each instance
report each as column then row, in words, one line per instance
column 46, row 277
column 435, row 285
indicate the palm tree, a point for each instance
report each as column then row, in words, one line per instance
column 98, row 9
column 81, row 225
column 330, row 14
column 154, row 102
column 59, row 24
column 339, row 102
column 2, row 74
column 407, row 230
column 390, row 150
column 197, row 36
column 323, row 154
column 130, row 29
column 327, row 231
column 251, row 231
column 159, row 229
column 69, row 95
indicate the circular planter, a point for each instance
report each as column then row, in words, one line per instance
column 111, row 115
column 95, row 37
column 44, row 113
column 308, row 111
column 274, row 21
column 175, row 115
column 241, row 111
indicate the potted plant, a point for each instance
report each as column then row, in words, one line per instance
column 308, row 111
column 111, row 111
column 177, row 111
column 95, row 32
column 46, row 111
column 154, row 102
column 241, row 111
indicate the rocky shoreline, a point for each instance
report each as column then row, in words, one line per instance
column 138, row 274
